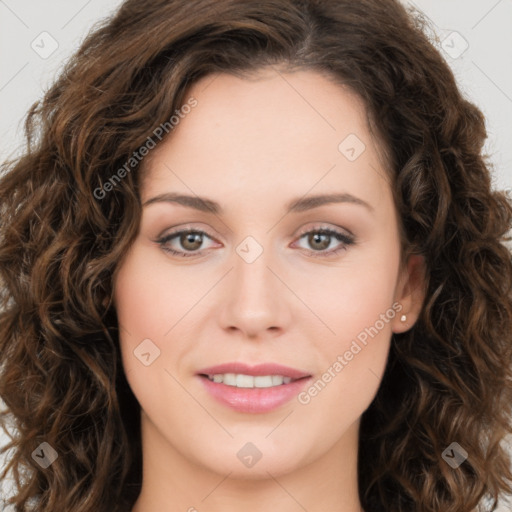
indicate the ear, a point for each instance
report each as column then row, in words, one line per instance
column 410, row 293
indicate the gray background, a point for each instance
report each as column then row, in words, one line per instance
column 474, row 36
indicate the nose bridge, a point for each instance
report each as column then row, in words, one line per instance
column 252, row 275
column 255, row 302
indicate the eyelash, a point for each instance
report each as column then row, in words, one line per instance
column 341, row 237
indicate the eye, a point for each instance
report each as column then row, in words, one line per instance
column 189, row 239
column 320, row 238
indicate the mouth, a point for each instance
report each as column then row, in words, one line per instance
column 256, row 389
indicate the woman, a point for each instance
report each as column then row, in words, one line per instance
column 172, row 337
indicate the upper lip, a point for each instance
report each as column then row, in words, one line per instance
column 259, row 369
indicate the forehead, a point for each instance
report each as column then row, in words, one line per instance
column 270, row 129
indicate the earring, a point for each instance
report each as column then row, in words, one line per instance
column 403, row 318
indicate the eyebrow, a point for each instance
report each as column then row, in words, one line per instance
column 296, row 205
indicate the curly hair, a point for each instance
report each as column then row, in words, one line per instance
column 449, row 378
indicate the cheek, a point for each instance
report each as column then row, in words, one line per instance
column 352, row 296
column 149, row 298
column 354, row 359
column 355, row 301
column 143, row 313
column 135, row 298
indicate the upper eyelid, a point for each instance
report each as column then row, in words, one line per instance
column 324, row 227
column 187, row 229
column 318, row 227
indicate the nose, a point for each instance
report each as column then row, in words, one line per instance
column 256, row 302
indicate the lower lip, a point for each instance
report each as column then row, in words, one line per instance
column 254, row 400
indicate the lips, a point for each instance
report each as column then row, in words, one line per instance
column 258, row 370
column 254, row 399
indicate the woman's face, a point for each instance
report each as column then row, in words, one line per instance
column 258, row 284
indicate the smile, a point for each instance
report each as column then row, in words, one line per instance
column 240, row 380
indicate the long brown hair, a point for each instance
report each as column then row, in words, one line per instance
column 448, row 379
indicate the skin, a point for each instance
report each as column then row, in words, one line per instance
column 254, row 144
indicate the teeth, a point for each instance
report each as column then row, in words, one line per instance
column 240, row 380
